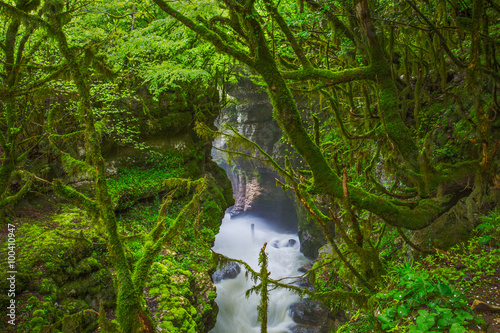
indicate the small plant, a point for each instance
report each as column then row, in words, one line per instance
column 434, row 304
column 489, row 229
column 467, row 263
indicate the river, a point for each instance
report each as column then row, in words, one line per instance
column 237, row 314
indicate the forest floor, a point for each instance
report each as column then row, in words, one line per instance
column 487, row 290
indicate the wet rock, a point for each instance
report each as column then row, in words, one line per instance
column 304, row 283
column 306, row 267
column 306, row 329
column 230, row 271
column 311, row 317
column 276, row 243
column 309, row 312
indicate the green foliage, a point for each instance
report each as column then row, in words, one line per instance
column 432, row 301
column 489, row 229
column 87, row 110
column 466, row 264
column 404, row 92
column 145, row 179
column 141, row 217
column 114, row 116
column 358, row 323
column 168, row 76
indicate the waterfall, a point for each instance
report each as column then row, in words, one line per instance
column 237, row 314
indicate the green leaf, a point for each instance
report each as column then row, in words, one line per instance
column 463, row 315
column 414, row 329
column 399, row 296
column 457, row 328
column 445, row 290
column 426, row 320
column 403, row 310
column 391, row 312
column 385, row 319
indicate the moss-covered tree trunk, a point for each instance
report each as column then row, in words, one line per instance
column 129, row 310
column 326, row 180
column 11, row 128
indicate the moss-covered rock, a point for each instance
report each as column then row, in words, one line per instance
column 456, row 226
column 60, row 266
column 176, row 121
column 310, row 233
column 181, row 300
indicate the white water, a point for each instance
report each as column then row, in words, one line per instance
column 236, row 313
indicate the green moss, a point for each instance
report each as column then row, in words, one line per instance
column 38, row 313
column 87, row 265
column 146, row 179
column 191, row 169
column 76, row 288
column 184, row 298
column 176, row 121
column 43, row 251
column 36, row 323
column 57, row 262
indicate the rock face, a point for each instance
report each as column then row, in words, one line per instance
column 252, row 116
column 245, row 193
column 229, row 271
column 311, row 235
column 254, row 185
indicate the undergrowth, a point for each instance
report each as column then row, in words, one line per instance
column 431, row 294
column 146, row 179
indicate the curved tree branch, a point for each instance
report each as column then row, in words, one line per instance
column 205, row 32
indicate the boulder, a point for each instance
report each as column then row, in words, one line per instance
column 229, row 271
column 306, row 267
column 277, row 244
column 305, row 329
column 309, row 312
column 311, row 317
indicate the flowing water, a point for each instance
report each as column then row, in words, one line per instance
column 238, row 314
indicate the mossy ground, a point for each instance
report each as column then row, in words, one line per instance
column 63, row 266
column 180, row 293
